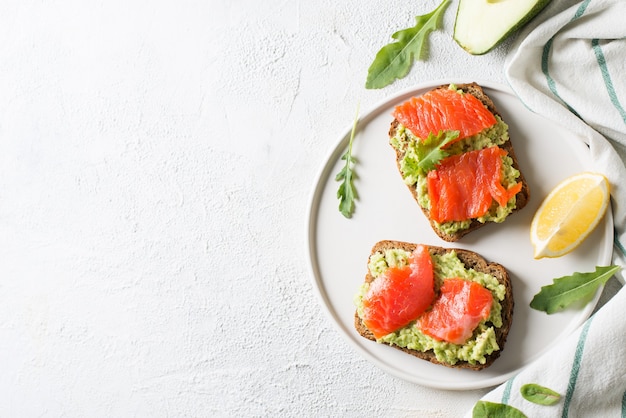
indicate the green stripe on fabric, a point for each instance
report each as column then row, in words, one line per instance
column 624, row 405
column 551, row 84
column 581, row 9
column 571, row 385
column 507, row 391
column 546, row 55
column 604, row 69
column 618, row 244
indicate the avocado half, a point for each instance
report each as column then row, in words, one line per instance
column 482, row 24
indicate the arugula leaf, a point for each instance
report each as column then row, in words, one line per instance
column 540, row 395
column 347, row 192
column 568, row 289
column 430, row 151
column 421, row 156
column 484, row 409
column 394, row 60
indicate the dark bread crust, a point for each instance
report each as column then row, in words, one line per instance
column 471, row 260
column 521, row 198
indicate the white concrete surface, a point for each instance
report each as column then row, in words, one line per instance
column 156, row 160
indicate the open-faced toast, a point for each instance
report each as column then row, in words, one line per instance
column 475, row 353
column 452, row 231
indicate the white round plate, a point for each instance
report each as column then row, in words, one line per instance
column 339, row 247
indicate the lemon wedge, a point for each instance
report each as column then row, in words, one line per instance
column 568, row 214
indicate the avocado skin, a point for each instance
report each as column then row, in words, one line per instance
column 538, row 7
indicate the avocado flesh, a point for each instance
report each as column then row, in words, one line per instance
column 482, row 24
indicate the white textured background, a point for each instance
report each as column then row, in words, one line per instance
column 156, row 161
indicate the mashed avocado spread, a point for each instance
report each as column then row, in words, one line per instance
column 405, row 141
column 474, row 350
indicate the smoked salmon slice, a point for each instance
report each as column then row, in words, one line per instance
column 444, row 110
column 464, row 186
column 457, row 312
column 400, row 295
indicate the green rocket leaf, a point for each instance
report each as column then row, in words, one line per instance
column 394, row 60
column 568, row 289
column 347, row 192
column 484, row 409
column 430, row 151
column 540, row 395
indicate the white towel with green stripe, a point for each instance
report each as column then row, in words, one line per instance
column 587, row 370
column 569, row 64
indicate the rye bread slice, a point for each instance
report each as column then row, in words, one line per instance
column 521, row 198
column 471, row 260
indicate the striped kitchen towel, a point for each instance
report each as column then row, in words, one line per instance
column 569, row 64
column 588, row 370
